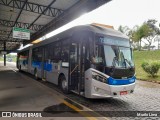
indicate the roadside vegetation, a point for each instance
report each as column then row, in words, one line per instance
column 141, row 57
column 9, row 58
column 147, row 59
column 1, row 58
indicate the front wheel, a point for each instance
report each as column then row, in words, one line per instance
column 63, row 85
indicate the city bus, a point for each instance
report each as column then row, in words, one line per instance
column 90, row 60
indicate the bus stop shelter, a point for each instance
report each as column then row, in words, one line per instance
column 39, row 16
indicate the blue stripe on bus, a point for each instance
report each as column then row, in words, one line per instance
column 47, row 67
column 112, row 81
column 36, row 64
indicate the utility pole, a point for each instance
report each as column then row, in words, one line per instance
column 4, row 44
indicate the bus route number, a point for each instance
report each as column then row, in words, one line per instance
column 100, row 40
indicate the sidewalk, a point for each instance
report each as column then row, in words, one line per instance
column 22, row 93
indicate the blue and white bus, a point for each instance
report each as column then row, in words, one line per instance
column 90, row 60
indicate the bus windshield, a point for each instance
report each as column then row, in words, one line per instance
column 114, row 52
column 118, row 56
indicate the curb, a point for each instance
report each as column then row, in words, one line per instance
column 153, row 81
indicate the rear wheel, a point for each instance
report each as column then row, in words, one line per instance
column 63, row 84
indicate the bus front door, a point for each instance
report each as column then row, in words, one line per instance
column 43, row 64
column 76, row 73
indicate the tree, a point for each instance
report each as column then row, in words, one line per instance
column 151, row 32
column 157, row 39
column 127, row 31
column 137, row 35
column 146, row 31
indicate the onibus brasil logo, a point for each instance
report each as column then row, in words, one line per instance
column 21, row 114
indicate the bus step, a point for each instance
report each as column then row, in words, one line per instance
column 76, row 92
column 43, row 79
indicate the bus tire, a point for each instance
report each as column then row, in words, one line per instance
column 63, row 84
column 35, row 74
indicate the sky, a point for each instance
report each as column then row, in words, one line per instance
column 118, row 12
column 128, row 12
column 115, row 13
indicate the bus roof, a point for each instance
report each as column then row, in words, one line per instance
column 90, row 27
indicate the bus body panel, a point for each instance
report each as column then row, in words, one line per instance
column 82, row 38
column 52, row 76
column 101, row 90
column 57, row 70
column 30, row 60
column 23, row 60
column 32, row 69
column 39, row 71
column 97, row 89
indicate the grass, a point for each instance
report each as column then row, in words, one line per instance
column 14, row 58
column 1, row 59
column 139, row 57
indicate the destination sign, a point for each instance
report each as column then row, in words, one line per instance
column 113, row 41
column 21, row 33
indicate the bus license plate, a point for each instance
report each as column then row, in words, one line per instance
column 123, row 93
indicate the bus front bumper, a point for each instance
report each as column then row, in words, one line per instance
column 102, row 90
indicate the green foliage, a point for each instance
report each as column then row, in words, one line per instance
column 151, row 68
column 136, row 36
column 141, row 32
column 145, row 31
column 152, row 24
column 121, row 29
column 140, row 57
column 9, row 56
column 1, row 58
column 125, row 30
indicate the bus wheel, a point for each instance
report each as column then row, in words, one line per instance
column 35, row 74
column 63, row 84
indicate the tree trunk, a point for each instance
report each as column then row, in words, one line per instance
column 149, row 45
column 158, row 44
column 140, row 45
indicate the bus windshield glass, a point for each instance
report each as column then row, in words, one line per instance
column 114, row 52
column 118, row 56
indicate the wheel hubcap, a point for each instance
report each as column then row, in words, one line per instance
column 64, row 84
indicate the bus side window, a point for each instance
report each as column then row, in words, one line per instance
column 49, row 52
column 23, row 57
column 37, row 54
column 65, row 51
column 98, row 55
column 57, row 52
column 73, row 53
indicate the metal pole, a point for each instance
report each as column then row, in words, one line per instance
column 4, row 54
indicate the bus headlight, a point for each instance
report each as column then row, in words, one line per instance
column 132, row 80
column 99, row 77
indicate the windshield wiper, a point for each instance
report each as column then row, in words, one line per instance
column 114, row 62
column 127, row 62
